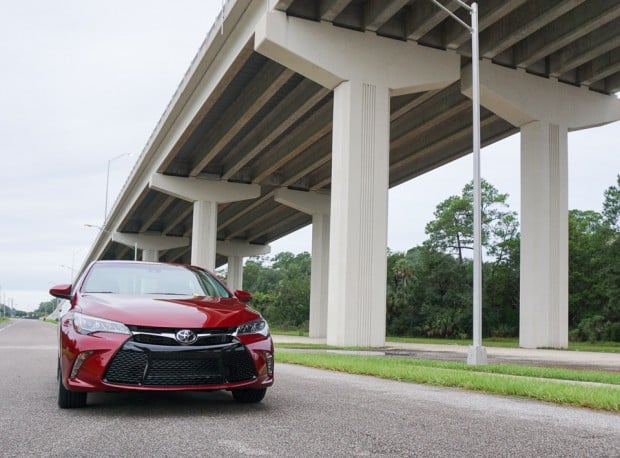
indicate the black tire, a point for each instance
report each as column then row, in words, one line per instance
column 69, row 399
column 249, row 396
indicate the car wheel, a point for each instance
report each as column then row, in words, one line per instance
column 69, row 399
column 249, row 396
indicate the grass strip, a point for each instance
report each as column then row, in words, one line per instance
column 605, row 347
column 504, row 342
column 407, row 370
column 591, row 376
column 510, row 342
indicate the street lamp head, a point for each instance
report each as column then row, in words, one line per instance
column 119, row 156
column 96, row 226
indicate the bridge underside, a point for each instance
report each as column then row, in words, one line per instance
column 259, row 106
column 285, row 140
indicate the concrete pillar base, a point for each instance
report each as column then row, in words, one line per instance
column 234, row 279
column 544, row 236
column 477, row 356
column 150, row 244
column 205, row 194
column 204, row 230
column 236, row 250
column 319, row 278
column 316, row 205
column 150, row 255
column 358, row 226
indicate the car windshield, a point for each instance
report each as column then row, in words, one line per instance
column 147, row 278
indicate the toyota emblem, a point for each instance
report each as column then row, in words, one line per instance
column 186, row 337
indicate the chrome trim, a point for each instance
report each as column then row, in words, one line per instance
column 171, row 335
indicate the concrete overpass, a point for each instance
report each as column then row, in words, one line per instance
column 299, row 112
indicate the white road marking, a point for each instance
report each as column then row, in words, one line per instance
column 7, row 326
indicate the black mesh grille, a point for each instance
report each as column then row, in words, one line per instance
column 154, row 340
column 184, row 372
column 153, row 365
column 127, row 367
column 240, row 365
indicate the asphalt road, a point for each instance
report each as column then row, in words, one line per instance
column 308, row 412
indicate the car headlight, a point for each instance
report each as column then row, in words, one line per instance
column 85, row 324
column 259, row 326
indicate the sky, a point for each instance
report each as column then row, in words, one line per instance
column 83, row 84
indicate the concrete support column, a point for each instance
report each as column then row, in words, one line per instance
column 363, row 70
column 204, row 230
column 205, row 194
column 235, row 272
column 150, row 244
column 545, row 110
column 317, row 205
column 150, row 255
column 358, row 233
column 235, row 251
column 319, row 278
column 544, row 236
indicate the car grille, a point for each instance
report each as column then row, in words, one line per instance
column 165, row 336
column 150, row 364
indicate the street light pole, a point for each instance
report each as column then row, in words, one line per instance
column 69, row 268
column 135, row 245
column 107, row 184
column 477, row 353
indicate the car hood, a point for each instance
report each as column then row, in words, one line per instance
column 168, row 311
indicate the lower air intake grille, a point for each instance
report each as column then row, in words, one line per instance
column 138, row 364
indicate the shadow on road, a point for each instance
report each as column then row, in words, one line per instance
column 178, row 403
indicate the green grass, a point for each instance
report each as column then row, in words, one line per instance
column 612, row 378
column 605, row 347
column 511, row 342
column 523, row 381
column 314, row 346
column 505, row 342
column 288, row 332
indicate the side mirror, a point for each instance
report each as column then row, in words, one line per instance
column 61, row 291
column 243, row 296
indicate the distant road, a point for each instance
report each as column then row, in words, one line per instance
column 307, row 413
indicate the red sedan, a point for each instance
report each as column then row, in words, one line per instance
column 135, row 326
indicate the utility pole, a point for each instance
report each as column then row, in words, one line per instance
column 477, row 353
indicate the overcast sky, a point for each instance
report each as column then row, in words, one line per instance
column 83, row 82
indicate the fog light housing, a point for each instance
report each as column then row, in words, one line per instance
column 269, row 362
column 78, row 363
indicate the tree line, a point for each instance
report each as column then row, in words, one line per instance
column 429, row 287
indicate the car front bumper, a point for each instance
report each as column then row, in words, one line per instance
column 116, row 362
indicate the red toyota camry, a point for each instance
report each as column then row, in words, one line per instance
column 155, row 326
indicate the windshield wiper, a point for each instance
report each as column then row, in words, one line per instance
column 171, row 294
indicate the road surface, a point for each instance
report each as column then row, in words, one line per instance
column 307, row 413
